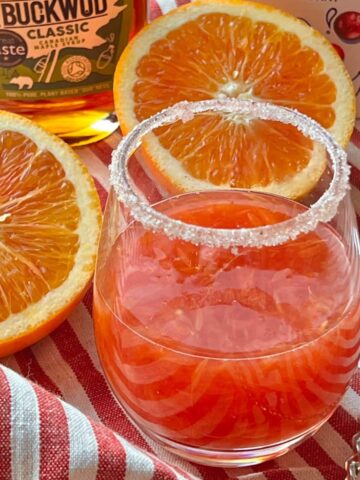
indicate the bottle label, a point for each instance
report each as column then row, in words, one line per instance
column 60, row 48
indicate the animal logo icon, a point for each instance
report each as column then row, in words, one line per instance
column 22, row 82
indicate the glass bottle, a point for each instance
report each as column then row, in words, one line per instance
column 57, row 59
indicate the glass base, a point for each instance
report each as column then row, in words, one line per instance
column 94, row 126
column 230, row 458
column 234, row 458
column 78, row 120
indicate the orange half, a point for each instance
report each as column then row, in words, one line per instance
column 233, row 48
column 49, row 228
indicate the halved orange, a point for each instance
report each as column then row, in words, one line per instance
column 50, row 220
column 233, row 48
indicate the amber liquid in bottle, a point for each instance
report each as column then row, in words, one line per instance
column 86, row 116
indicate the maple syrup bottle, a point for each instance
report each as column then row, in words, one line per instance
column 57, row 59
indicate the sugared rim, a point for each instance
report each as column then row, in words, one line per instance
column 323, row 210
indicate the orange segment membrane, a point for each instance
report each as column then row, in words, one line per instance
column 38, row 222
column 239, row 155
column 222, row 55
column 217, row 49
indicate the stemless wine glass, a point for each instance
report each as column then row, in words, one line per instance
column 227, row 321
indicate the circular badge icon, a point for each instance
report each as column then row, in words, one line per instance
column 76, row 68
column 13, row 49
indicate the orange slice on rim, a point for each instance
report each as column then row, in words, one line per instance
column 233, row 48
column 49, row 227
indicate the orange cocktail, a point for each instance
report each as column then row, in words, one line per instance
column 227, row 321
column 223, row 349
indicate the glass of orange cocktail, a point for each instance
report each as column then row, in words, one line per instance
column 227, row 321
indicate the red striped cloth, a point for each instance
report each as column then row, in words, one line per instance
column 59, row 419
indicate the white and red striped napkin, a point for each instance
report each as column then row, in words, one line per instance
column 59, row 419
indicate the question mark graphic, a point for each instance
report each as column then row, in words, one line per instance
column 330, row 15
column 304, row 20
column 356, row 77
